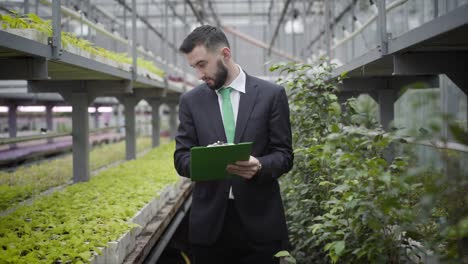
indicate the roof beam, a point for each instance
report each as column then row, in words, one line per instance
column 149, row 25
column 280, row 21
column 195, row 12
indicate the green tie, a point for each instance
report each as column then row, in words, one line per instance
column 228, row 114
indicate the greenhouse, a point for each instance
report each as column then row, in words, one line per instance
column 223, row 131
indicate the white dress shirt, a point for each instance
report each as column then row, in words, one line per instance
column 238, row 85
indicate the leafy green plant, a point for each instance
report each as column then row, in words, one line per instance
column 72, row 225
column 27, row 182
column 286, row 256
column 347, row 200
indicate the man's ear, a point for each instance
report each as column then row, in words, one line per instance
column 226, row 53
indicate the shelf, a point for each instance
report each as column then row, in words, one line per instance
column 27, row 53
column 446, row 33
column 44, row 98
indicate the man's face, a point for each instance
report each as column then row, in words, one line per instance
column 209, row 66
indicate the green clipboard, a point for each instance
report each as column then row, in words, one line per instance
column 209, row 163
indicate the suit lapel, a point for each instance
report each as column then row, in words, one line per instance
column 246, row 105
column 214, row 115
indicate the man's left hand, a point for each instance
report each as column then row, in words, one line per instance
column 246, row 169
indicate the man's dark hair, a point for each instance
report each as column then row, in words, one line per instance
column 208, row 36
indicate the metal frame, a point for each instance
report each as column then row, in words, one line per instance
column 83, row 68
column 56, row 41
column 92, row 87
column 414, row 40
column 162, row 243
column 423, row 34
column 79, row 80
column 30, row 68
column 451, row 63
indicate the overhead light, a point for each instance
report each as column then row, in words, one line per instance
column 345, row 32
column 31, row 109
column 69, row 109
column 105, row 109
column 334, row 39
column 81, row 30
column 373, row 6
column 62, row 109
column 3, row 109
column 294, row 26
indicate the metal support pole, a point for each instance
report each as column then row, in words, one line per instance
column 444, row 8
column 264, row 53
column 293, row 39
column 174, row 40
column 80, row 134
column 443, row 83
column 435, row 3
column 125, row 21
column 119, row 119
column 186, row 32
column 49, row 121
column 382, row 26
column 448, row 98
column 56, row 41
column 12, row 122
column 129, row 103
column 280, row 22
column 387, row 100
column 353, row 27
column 306, row 31
column 146, row 36
column 165, row 40
column 36, row 7
column 328, row 29
column 155, row 121
column 134, row 40
column 173, row 120
column 26, row 6
column 96, row 118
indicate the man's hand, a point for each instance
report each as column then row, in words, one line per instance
column 246, row 169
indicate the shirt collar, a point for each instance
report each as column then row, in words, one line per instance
column 238, row 83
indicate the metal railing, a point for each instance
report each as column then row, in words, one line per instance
column 14, row 140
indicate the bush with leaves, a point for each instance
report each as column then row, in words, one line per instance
column 346, row 199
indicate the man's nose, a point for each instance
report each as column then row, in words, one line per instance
column 200, row 74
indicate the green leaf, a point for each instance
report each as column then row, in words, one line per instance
column 334, row 128
column 460, row 134
column 341, row 188
column 339, row 247
column 282, row 253
column 344, row 74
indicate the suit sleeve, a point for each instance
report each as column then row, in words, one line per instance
column 185, row 138
column 279, row 159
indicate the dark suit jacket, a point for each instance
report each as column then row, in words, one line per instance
column 263, row 118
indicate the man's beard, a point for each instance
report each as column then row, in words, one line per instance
column 220, row 76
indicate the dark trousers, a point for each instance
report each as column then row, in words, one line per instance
column 234, row 247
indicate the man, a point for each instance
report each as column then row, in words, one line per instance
column 239, row 220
